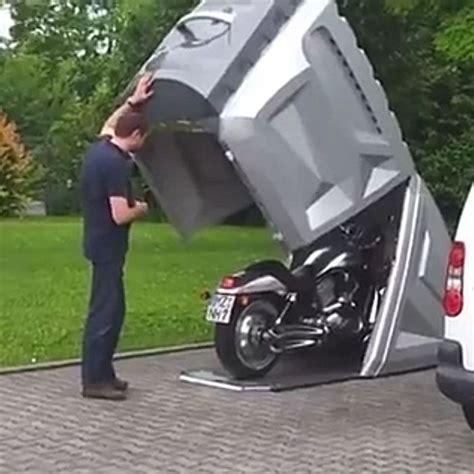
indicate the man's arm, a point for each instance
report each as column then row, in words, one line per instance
column 116, row 178
column 123, row 214
column 109, row 126
column 141, row 95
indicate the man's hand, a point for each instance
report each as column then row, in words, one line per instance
column 143, row 92
column 142, row 208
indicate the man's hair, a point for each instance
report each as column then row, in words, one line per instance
column 129, row 122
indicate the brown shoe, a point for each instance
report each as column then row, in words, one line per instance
column 120, row 384
column 103, row 392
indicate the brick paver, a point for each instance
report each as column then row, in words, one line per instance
column 394, row 425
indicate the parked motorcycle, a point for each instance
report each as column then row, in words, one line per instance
column 269, row 309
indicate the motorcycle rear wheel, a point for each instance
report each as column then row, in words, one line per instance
column 239, row 345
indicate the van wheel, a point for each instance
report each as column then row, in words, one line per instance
column 469, row 415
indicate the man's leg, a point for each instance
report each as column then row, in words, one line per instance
column 116, row 330
column 104, row 312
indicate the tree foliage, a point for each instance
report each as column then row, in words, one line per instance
column 17, row 171
column 67, row 62
column 426, row 64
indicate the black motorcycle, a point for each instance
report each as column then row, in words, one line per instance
column 324, row 299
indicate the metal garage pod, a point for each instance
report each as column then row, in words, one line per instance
column 272, row 101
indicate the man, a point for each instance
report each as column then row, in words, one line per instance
column 109, row 210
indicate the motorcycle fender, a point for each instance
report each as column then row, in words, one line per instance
column 260, row 284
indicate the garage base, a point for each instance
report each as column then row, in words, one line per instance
column 291, row 372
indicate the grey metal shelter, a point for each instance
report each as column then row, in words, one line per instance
column 273, row 102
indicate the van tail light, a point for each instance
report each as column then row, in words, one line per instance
column 453, row 301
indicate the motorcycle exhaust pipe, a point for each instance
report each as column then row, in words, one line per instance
column 294, row 337
column 295, row 332
column 289, row 346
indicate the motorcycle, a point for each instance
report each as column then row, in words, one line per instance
column 269, row 309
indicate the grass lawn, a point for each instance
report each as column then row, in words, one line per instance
column 44, row 285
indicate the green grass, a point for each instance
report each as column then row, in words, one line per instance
column 44, row 285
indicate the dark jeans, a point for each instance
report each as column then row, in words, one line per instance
column 104, row 322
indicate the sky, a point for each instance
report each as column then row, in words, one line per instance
column 5, row 21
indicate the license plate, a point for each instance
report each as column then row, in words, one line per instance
column 220, row 309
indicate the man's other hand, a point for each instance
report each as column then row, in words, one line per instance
column 142, row 207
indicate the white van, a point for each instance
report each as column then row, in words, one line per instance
column 455, row 376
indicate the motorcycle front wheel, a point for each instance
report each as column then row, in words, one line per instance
column 240, row 346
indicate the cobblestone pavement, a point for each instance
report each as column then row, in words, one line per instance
column 394, row 425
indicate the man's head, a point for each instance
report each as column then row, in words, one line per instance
column 131, row 130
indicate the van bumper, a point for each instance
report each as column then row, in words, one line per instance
column 453, row 380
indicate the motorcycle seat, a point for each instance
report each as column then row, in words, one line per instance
column 296, row 281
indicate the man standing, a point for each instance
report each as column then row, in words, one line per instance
column 109, row 210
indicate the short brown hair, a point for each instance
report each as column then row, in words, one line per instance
column 129, row 122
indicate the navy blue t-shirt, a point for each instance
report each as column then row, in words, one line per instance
column 106, row 172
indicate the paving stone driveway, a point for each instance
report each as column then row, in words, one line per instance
column 394, row 425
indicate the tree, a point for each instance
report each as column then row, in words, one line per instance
column 68, row 62
column 31, row 96
column 426, row 67
column 450, row 172
column 446, row 157
column 17, row 170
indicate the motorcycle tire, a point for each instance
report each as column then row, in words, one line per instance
column 469, row 415
column 228, row 338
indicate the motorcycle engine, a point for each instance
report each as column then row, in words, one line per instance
column 324, row 296
column 326, row 292
column 344, row 322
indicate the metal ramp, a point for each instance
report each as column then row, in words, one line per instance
column 292, row 371
column 312, row 368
